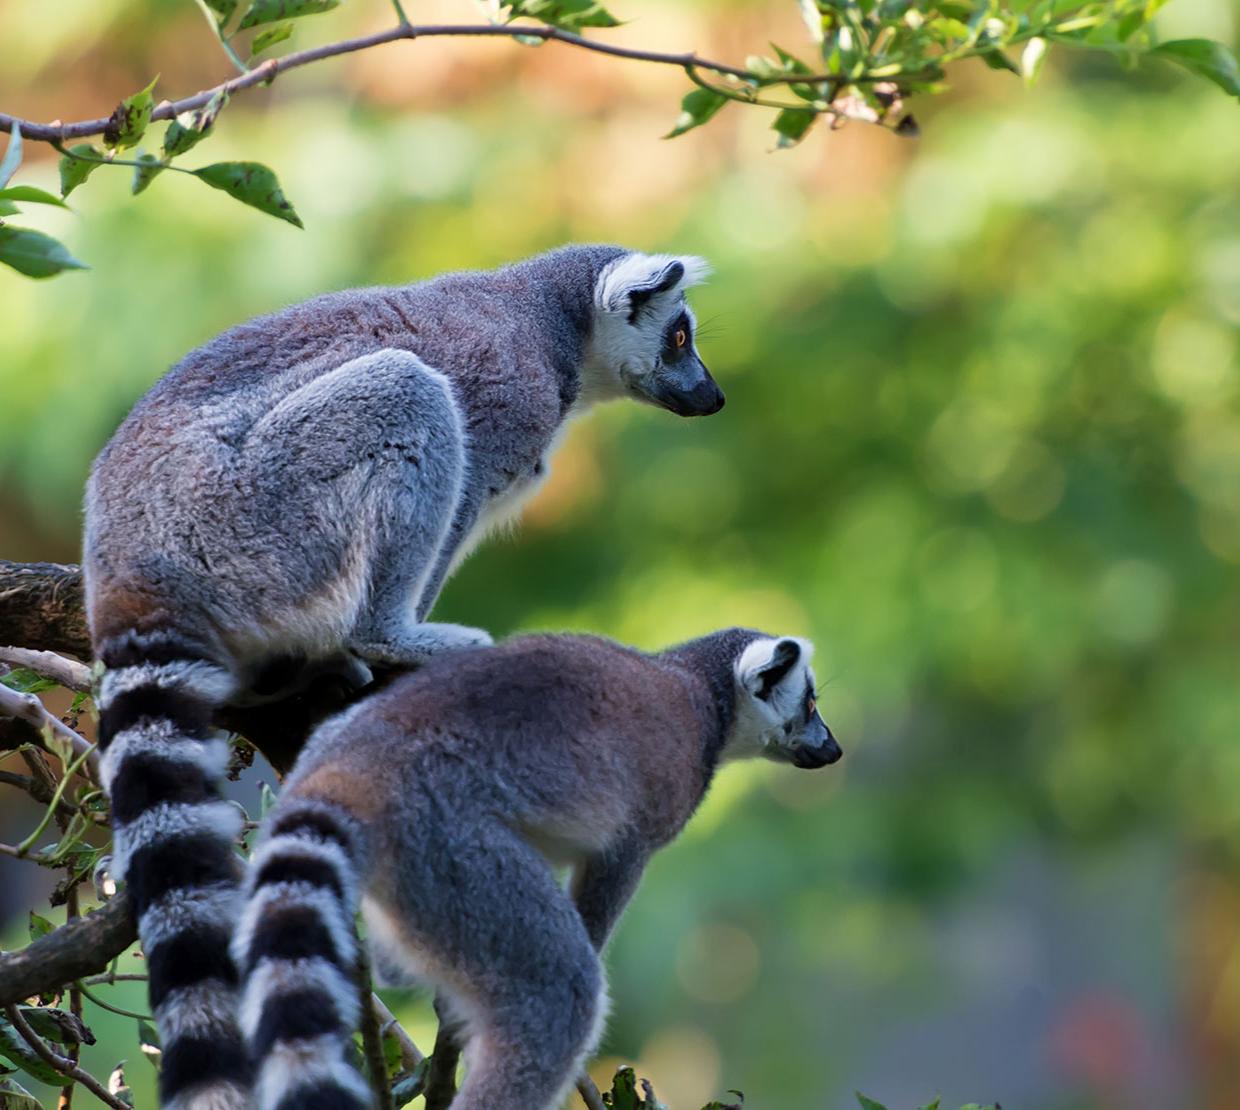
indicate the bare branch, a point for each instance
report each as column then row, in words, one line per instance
column 410, row 1055
column 28, row 708
column 62, row 1064
column 77, row 949
column 263, row 74
column 589, row 1092
column 67, row 672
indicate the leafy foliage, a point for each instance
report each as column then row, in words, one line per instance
column 866, row 60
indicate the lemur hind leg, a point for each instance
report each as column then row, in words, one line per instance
column 480, row 913
column 371, row 462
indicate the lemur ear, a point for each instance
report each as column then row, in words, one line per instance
column 667, row 278
column 766, row 663
column 630, row 283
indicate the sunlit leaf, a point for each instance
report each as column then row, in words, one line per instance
column 129, row 121
column 117, row 1087
column 867, row 1103
column 265, row 40
column 696, row 108
column 270, row 11
column 31, row 195
column 188, row 129
column 571, row 15
column 1032, row 58
column 73, row 171
column 223, row 10
column 1208, row 59
column 26, row 681
column 7, row 208
column 149, row 1043
column 35, row 254
column 39, row 926
column 251, row 183
column 12, row 156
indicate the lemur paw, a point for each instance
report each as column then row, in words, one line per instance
column 420, row 642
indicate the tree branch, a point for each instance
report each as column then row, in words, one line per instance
column 62, row 1064
column 82, row 947
column 28, row 708
column 66, row 672
column 42, row 605
column 265, row 73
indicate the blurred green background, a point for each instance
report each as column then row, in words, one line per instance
column 982, row 444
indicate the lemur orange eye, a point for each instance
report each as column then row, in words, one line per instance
column 682, row 337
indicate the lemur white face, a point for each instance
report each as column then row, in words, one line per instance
column 777, row 707
column 642, row 342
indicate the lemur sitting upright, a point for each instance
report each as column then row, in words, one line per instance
column 442, row 804
column 301, row 486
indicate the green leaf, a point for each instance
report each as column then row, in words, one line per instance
column 73, row 171
column 36, row 255
column 264, row 40
column 793, row 124
column 867, row 1103
column 696, row 108
column 15, row 1097
column 251, row 183
column 18, row 1053
column 39, row 926
column 269, row 11
column 996, row 59
column 148, row 1043
column 223, row 10
column 1204, row 57
column 1032, row 59
column 12, row 156
column 190, row 128
column 143, row 174
column 129, row 120
column 58, row 1026
column 7, row 208
column 31, row 195
column 266, row 800
column 569, row 15
column 405, row 1090
column 931, row 1105
column 22, row 679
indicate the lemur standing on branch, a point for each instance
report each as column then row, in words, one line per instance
column 301, row 486
column 562, row 750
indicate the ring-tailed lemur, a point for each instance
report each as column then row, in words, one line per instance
column 301, row 486
column 442, row 804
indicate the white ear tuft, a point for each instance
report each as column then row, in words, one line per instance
column 661, row 274
column 765, row 663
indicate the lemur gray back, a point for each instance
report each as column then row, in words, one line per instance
column 302, row 486
column 441, row 806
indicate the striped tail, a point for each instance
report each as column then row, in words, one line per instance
column 173, row 837
column 297, row 951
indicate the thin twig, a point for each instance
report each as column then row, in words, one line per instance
column 410, row 1055
column 589, row 1092
column 63, row 1065
column 28, row 708
column 67, row 672
column 372, row 1038
column 72, row 911
column 263, row 74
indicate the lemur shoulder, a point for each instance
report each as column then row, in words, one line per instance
column 442, row 806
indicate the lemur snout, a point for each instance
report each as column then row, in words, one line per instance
column 819, row 751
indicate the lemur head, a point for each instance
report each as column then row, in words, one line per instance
column 641, row 344
column 776, row 706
